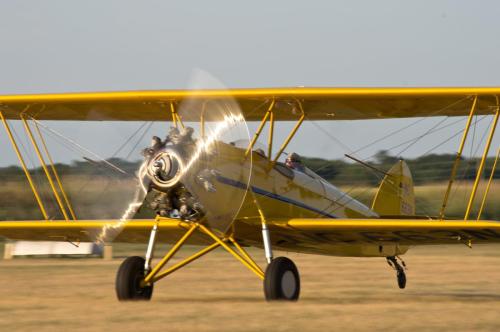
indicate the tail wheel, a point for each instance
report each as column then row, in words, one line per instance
column 281, row 280
column 401, row 276
column 129, row 278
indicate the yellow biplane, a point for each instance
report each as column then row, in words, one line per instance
column 213, row 186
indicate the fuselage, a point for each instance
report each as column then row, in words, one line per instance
column 232, row 187
column 283, row 192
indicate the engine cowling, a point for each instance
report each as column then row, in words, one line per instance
column 165, row 168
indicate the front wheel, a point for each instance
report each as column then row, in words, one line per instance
column 281, row 280
column 129, row 278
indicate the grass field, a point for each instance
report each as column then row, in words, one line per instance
column 429, row 198
column 450, row 288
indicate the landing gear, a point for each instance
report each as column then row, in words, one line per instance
column 129, row 281
column 401, row 276
column 136, row 276
column 281, row 280
column 400, row 270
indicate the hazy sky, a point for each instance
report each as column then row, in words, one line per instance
column 62, row 46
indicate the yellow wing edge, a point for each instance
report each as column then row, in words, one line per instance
column 318, row 103
column 304, row 92
column 302, row 235
column 134, row 231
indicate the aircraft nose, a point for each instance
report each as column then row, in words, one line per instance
column 164, row 169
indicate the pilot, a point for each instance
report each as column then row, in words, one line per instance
column 260, row 152
column 294, row 162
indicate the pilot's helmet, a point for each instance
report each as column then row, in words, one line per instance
column 295, row 158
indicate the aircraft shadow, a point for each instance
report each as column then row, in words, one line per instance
column 217, row 299
column 346, row 299
column 404, row 297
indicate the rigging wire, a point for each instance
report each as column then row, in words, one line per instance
column 417, row 137
column 128, row 140
column 410, row 125
column 421, row 136
column 432, row 130
column 110, row 180
column 346, row 193
column 333, row 138
column 81, row 147
column 413, row 141
column 80, row 150
column 447, row 140
column 450, row 138
column 140, row 139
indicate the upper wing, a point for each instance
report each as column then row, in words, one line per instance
column 317, row 103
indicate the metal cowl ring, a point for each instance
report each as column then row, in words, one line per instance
column 165, row 169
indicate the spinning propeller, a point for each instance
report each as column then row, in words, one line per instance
column 200, row 170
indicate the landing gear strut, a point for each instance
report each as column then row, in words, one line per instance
column 136, row 276
column 281, row 279
column 399, row 268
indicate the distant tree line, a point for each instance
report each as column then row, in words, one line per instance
column 113, row 167
column 425, row 169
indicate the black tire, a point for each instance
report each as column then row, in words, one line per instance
column 401, row 276
column 128, row 281
column 281, row 280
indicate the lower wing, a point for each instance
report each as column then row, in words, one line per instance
column 367, row 237
column 323, row 236
column 134, row 231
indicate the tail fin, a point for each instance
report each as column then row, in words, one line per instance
column 396, row 196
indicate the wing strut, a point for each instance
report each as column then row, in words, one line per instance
column 492, row 174
column 175, row 116
column 292, row 133
column 65, row 206
column 458, row 157
column 261, row 126
column 154, row 274
column 23, row 165
column 481, row 165
column 44, row 166
column 54, row 171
